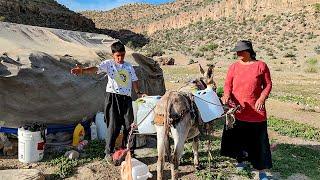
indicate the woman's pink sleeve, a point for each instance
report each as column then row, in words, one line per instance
column 228, row 82
column 266, row 81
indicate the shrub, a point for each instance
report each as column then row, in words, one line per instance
column 317, row 7
column 198, row 54
column 311, row 69
column 311, row 35
column 289, row 54
column 312, row 61
column 2, row 18
column 317, row 49
column 208, row 47
column 191, row 61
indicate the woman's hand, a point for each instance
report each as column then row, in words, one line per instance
column 260, row 104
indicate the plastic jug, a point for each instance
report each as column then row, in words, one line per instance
column 208, row 104
column 78, row 135
column 30, row 146
column 101, row 126
column 140, row 170
column 93, row 129
column 135, row 105
column 145, row 114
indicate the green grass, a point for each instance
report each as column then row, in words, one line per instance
column 317, row 7
column 293, row 129
column 221, row 167
column 287, row 159
column 296, row 99
column 312, row 61
column 312, row 65
column 292, row 159
column 66, row 167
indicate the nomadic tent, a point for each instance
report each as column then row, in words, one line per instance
column 35, row 80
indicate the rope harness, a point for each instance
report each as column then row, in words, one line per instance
column 173, row 119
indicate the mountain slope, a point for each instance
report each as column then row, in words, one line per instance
column 147, row 18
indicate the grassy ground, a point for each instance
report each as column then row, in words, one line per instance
column 288, row 159
column 66, row 167
column 293, row 87
column 291, row 159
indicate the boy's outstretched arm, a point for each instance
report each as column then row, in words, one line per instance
column 79, row 70
column 135, row 86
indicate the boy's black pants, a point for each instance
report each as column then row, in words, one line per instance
column 118, row 112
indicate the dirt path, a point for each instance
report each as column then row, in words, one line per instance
column 292, row 112
column 278, row 138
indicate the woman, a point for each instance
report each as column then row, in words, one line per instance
column 248, row 84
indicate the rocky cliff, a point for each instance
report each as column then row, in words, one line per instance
column 45, row 13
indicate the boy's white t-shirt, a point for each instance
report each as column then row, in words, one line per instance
column 120, row 76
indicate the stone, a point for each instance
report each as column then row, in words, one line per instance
column 21, row 174
column 72, row 154
column 165, row 60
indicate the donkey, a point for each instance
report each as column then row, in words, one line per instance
column 176, row 113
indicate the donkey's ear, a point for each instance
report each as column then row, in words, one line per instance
column 201, row 69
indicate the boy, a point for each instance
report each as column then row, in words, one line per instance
column 118, row 103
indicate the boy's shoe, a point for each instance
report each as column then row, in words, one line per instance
column 240, row 166
column 108, row 159
column 263, row 176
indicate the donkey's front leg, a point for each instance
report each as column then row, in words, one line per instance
column 179, row 135
column 195, row 149
column 161, row 141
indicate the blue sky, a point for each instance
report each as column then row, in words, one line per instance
column 81, row 5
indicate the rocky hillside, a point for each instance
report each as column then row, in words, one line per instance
column 49, row 13
column 147, row 18
column 290, row 36
column 45, row 13
column 288, row 30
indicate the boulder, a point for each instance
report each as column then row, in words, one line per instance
column 165, row 60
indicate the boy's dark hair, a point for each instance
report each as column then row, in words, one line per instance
column 117, row 47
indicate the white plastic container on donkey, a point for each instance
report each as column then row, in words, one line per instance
column 143, row 110
column 208, row 104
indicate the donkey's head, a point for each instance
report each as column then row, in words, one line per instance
column 206, row 80
column 208, row 76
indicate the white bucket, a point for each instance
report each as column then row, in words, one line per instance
column 140, row 170
column 144, row 113
column 208, row 104
column 101, row 126
column 30, row 146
